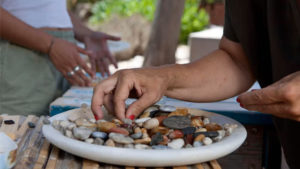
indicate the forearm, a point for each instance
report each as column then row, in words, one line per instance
column 215, row 77
column 18, row 32
column 80, row 30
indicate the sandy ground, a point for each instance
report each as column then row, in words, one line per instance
column 182, row 56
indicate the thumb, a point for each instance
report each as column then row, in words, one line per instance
column 110, row 37
column 139, row 106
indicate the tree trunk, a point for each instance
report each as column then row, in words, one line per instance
column 165, row 33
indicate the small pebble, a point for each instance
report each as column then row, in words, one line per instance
column 9, row 122
column 207, row 134
column 220, row 136
column 143, row 141
column 176, row 143
column 177, row 122
column 207, row 141
column 82, row 133
column 56, row 124
column 141, row 146
column 71, row 126
column 179, row 112
column 69, row 133
column 110, row 143
column 142, row 120
column 154, row 113
column 167, row 108
column 200, row 138
column 46, row 121
column 98, row 141
column 120, row 138
column 213, row 127
column 64, row 124
column 201, row 130
column 188, row 130
column 160, row 129
column 31, row 125
column 197, row 144
column 136, row 135
column 89, row 140
column 160, row 147
column 188, row 146
column 151, row 123
column 99, row 134
column 176, row 134
column 206, row 121
column 197, row 121
column 129, row 146
column 92, row 120
column 127, row 121
column 156, row 139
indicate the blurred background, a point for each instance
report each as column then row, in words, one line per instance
column 133, row 21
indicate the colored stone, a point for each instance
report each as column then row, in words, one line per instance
column 156, row 139
column 161, row 119
column 165, row 141
column 105, row 126
column 176, row 134
column 141, row 146
column 179, row 112
column 197, row 121
column 200, row 137
column 207, row 134
column 127, row 121
column 46, row 121
column 31, row 125
column 9, row 122
column 213, row 127
column 151, row 123
column 189, row 139
column 207, row 141
column 98, row 141
column 110, row 142
column 160, row 147
column 177, row 122
column 176, row 143
column 197, row 144
column 160, row 129
column 89, row 140
column 99, row 134
column 120, row 138
column 82, row 133
column 143, row 141
column 136, row 135
column 201, row 130
column 188, row 130
column 142, row 120
column 167, row 108
column 119, row 130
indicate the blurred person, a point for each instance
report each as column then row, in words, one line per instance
column 261, row 41
column 38, row 52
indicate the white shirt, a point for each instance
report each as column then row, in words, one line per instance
column 39, row 13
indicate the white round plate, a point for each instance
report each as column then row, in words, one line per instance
column 149, row 157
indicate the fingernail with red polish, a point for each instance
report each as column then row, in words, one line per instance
column 238, row 100
column 96, row 117
column 131, row 117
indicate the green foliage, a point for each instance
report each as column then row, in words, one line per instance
column 192, row 19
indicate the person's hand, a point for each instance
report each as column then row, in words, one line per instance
column 280, row 99
column 100, row 57
column 148, row 85
column 66, row 58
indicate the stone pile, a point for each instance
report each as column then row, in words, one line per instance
column 158, row 127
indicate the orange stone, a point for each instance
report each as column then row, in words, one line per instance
column 213, row 127
column 179, row 112
column 106, row 126
column 197, row 121
column 176, row 134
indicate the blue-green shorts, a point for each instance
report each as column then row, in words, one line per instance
column 29, row 81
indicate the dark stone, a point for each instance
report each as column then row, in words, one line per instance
column 46, row 121
column 188, row 139
column 153, row 113
column 9, row 122
column 188, row 130
column 177, row 122
column 31, row 125
column 156, row 139
column 207, row 134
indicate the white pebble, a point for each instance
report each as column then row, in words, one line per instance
column 176, row 143
column 141, row 146
column 151, row 123
column 206, row 121
column 142, row 120
column 207, row 141
column 89, row 140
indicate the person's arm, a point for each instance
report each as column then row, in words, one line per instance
column 18, row 32
column 63, row 54
column 96, row 43
column 222, row 74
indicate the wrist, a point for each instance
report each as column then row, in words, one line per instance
column 50, row 46
column 170, row 75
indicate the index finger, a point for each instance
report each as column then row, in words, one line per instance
column 268, row 95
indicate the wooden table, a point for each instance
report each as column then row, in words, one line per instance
column 34, row 152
